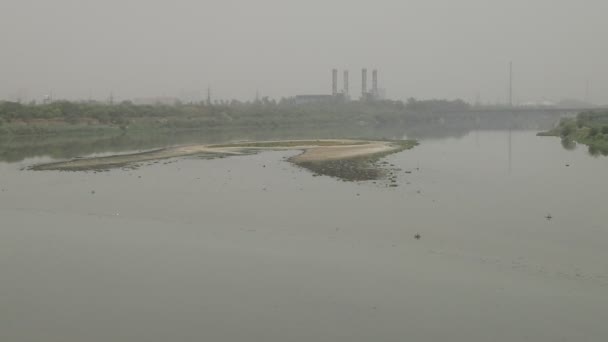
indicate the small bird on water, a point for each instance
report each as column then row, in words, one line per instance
column 417, row 236
column 548, row 217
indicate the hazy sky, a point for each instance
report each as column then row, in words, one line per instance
column 422, row 48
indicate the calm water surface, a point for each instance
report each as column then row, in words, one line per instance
column 254, row 249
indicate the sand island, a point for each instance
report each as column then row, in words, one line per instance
column 346, row 159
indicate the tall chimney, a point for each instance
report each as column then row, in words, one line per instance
column 334, row 84
column 375, row 83
column 510, row 84
column 363, row 83
column 345, row 83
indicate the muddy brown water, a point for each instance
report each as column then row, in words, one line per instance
column 253, row 248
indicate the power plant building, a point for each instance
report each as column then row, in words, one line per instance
column 308, row 99
column 344, row 95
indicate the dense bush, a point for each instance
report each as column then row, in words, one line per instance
column 567, row 128
column 594, row 131
column 260, row 112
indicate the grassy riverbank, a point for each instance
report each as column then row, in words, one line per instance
column 588, row 128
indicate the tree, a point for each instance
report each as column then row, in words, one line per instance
column 568, row 129
column 594, row 131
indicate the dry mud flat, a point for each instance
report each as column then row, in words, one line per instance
column 351, row 160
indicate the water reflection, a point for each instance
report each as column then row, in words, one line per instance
column 195, row 250
column 596, row 152
column 432, row 127
column 568, row 143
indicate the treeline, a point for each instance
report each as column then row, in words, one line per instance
column 437, row 106
column 60, row 115
column 593, row 119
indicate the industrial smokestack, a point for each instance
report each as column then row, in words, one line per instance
column 345, row 83
column 375, row 83
column 334, row 84
column 510, row 84
column 363, row 83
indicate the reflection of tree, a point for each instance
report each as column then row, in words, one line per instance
column 594, row 151
column 69, row 146
column 412, row 125
column 568, row 143
column 455, row 125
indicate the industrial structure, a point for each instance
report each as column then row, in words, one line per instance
column 374, row 94
column 334, row 84
column 344, row 95
column 364, row 84
column 345, row 91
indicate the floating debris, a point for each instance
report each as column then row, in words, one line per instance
column 549, row 217
column 417, row 236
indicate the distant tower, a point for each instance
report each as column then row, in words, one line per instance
column 208, row 96
column 48, row 98
column 511, row 84
column 375, row 83
column 363, row 84
column 334, row 82
column 345, row 84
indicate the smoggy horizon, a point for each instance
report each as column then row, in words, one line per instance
column 133, row 49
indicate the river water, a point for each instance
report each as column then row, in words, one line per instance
column 253, row 248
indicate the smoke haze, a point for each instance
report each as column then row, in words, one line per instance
column 83, row 49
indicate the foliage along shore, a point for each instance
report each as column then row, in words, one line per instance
column 63, row 117
column 588, row 128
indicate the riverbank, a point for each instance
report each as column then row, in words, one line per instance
column 589, row 128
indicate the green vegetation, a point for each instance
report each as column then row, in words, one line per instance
column 68, row 117
column 65, row 117
column 63, row 130
column 589, row 128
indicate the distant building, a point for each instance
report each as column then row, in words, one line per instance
column 307, row 99
column 344, row 95
column 164, row 100
column 381, row 94
column 538, row 103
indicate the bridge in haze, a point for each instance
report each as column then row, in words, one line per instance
column 535, row 110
